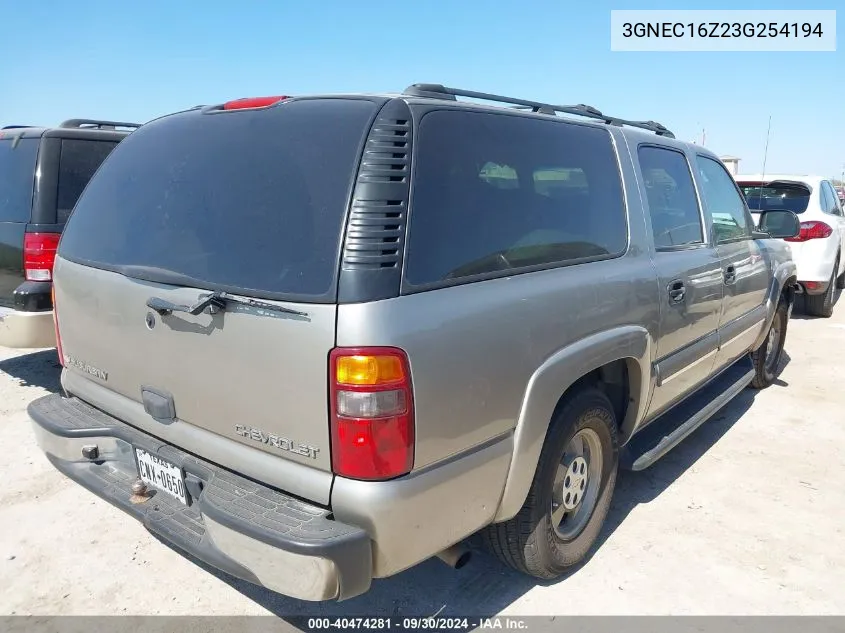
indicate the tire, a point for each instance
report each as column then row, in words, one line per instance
column 822, row 305
column 530, row 542
column 766, row 365
column 840, row 281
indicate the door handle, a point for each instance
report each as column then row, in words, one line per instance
column 730, row 275
column 677, row 291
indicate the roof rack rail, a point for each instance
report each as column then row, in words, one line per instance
column 97, row 125
column 437, row 91
column 14, row 127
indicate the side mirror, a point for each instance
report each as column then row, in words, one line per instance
column 779, row 224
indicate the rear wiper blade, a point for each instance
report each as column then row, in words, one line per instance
column 213, row 302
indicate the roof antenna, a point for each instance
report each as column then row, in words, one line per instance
column 765, row 157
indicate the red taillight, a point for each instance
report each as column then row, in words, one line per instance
column 252, row 102
column 372, row 413
column 56, row 328
column 39, row 254
column 812, row 230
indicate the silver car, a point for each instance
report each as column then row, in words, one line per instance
column 317, row 340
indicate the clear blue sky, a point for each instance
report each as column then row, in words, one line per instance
column 136, row 61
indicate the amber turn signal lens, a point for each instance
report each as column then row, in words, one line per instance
column 369, row 370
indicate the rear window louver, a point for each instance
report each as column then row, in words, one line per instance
column 375, row 234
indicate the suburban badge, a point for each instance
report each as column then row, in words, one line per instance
column 71, row 361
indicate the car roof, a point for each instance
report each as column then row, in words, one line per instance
column 75, row 128
column 411, row 100
column 633, row 134
column 429, row 94
column 21, row 131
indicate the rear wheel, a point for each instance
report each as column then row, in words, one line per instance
column 570, row 495
column 767, row 357
column 822, row 305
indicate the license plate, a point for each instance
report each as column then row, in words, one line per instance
column 161, row 475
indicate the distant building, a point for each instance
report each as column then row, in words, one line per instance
column 732, row 163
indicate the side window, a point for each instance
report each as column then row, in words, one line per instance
column 830, row 203
column 824, row 198
column 837, row 201
column 672, row 204
column 17, row 178
column 722, row 201
column 79, row 160
column 495, row 193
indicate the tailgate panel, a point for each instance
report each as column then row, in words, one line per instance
column 253, row 377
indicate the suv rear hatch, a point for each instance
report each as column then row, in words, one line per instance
column 777, row 195
column 249, row 202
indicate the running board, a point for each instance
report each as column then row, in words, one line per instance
column 667, row 431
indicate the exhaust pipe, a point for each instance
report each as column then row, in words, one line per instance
column 456, row 556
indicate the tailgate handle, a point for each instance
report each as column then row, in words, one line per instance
column 159, row 405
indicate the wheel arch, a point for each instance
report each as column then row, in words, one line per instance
column 783, row 285
column 619, row 358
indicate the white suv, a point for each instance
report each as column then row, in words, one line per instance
column 817, row 251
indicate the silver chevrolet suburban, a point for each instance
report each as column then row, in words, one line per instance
column 316, row 340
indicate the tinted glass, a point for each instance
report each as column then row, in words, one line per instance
column 79, row 160
column 17, row 177
column 672, row 204
column 722, row 201
column 837, row 200
column 824, row 198
column 776, row 196
column 497, row 192
column 831, row 203
column 252, row 201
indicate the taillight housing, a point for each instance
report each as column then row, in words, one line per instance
column 39, row 255
column 811, row 230
column 253, row 102
column 372, row 413
column 56, row 328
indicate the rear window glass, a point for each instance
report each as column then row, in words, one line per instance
column 78, row 162
column 17, row 177
column 249, row 201
column 497, row 192
column 776, row 196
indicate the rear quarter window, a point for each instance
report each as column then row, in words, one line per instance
column 17, row 178
column 498, row 193
column 78, row 161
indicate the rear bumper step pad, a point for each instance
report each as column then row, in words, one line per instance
column 234, row 524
